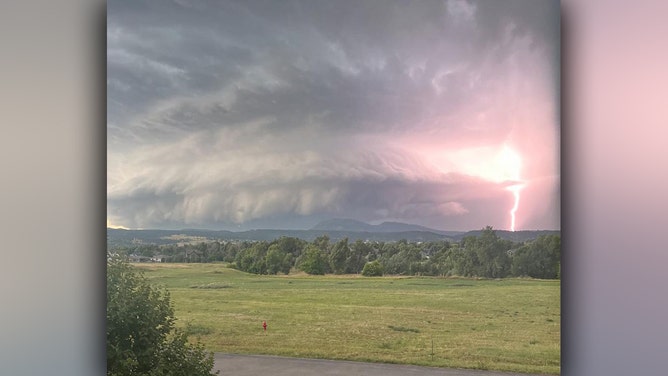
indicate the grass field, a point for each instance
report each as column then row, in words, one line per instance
column 510, row 324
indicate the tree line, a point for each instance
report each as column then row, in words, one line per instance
column 486, row 255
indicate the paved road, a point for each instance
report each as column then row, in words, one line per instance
column 260, row 365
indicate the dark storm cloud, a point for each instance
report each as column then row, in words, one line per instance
column 320, row 56
column 229, row 112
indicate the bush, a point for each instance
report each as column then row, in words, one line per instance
column 372, row 269
column 141, row 338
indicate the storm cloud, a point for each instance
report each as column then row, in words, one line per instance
column 242, row 114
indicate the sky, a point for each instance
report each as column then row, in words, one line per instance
column 279, row 114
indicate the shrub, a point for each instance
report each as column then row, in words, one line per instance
column 372, row 269
column 141, row 337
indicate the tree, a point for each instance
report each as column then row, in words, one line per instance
column 252, row 260
column 313, row 261
column 230, row 251
column 277, row 260
column 442, row 260
column 322, row 242
column 338, row 256
column 141, row 337
column 539, row 258
column 290, row 245
column 485, row 255
column 359, row 251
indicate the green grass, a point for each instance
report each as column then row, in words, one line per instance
column 508, row 325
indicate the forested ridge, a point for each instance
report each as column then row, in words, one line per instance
column 485, row 254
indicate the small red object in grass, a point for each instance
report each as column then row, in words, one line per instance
column 264, row 325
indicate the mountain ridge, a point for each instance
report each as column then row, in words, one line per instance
column 345, row 224
column 335, row 229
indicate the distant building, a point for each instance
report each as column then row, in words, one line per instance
column 158, row 258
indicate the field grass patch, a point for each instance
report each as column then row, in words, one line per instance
column 403, row 329
column 212, row 286
column 197, row 330
column 490, row 324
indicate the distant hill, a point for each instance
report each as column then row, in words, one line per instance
column 358, row 226
column 119, row 237
column 335, row 229
column 339, row 224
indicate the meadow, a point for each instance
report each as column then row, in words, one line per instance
column 505, row 324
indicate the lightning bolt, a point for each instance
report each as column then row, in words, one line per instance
column 511, row 164
column 500, row 164
column 516, row 193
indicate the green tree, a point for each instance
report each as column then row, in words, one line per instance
column 252, row 260
column 322, row 242
column 338, row 256
column 313, row 261
column 230, row 251
column 277, row 260
column 484, row 256
column 539, row 258
column 442, row 260
column 493, row 255
column 403, row 258
column 359, row 251
column 290, row 245
column 214, row 252
column 141, row 337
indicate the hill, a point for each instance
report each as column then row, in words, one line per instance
column 385, row 227
column 336, row 230
column 120, row 237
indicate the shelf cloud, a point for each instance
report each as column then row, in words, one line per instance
column 247, row 114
